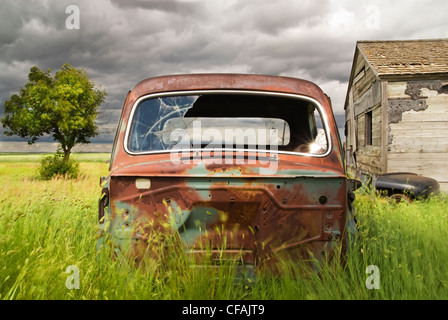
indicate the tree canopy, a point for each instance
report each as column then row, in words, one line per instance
column 64, row 106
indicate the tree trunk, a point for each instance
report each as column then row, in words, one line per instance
column 66, row 155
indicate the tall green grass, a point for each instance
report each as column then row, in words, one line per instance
column 47, row 226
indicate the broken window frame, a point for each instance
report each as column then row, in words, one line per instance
column 317, row 105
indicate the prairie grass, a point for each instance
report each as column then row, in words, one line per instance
column 47, row 226
column 36, row 157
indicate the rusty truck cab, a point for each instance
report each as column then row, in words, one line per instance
column 247, row 165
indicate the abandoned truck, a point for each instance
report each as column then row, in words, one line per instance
column 248, row 167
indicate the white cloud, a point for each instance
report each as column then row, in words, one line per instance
column 341, row 18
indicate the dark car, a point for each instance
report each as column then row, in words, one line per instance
column 247, row 167
column 406, row 186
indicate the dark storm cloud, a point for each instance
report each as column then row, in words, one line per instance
column 121, row 42
column 160, row 5
column 271, row 17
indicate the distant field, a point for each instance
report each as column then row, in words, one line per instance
column 27, row 157
column 48, row 227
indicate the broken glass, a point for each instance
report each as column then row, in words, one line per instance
column 163, row 124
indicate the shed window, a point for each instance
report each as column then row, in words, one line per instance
column 369, row 128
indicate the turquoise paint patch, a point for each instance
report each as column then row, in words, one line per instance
column 176, row 214
column 121, row 227
column 196, row 225
column 191, row 224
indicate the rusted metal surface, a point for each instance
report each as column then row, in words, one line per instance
column 234, row 209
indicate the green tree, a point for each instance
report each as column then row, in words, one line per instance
column 64, row 106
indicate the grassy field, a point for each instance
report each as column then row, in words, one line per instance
column 46, row 227
column 35, row 157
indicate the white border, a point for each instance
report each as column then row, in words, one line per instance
column 199, row 92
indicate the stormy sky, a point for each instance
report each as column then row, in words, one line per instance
column 121, row 42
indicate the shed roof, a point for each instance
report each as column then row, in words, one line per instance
column 406, row 57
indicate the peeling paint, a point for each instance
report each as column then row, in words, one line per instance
column 413, row 88
column 397, row 107
column 416, row 101
column 443, row 89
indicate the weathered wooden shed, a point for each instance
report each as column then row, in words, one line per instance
column 396, row 109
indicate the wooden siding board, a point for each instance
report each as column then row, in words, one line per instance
column 369, row 159
column 414, row 116
column 419, row 141
column 369, row 99
column 396, row 89
column 384, row 124
column 428, row 164
column 364, row 84
column 360, row 121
